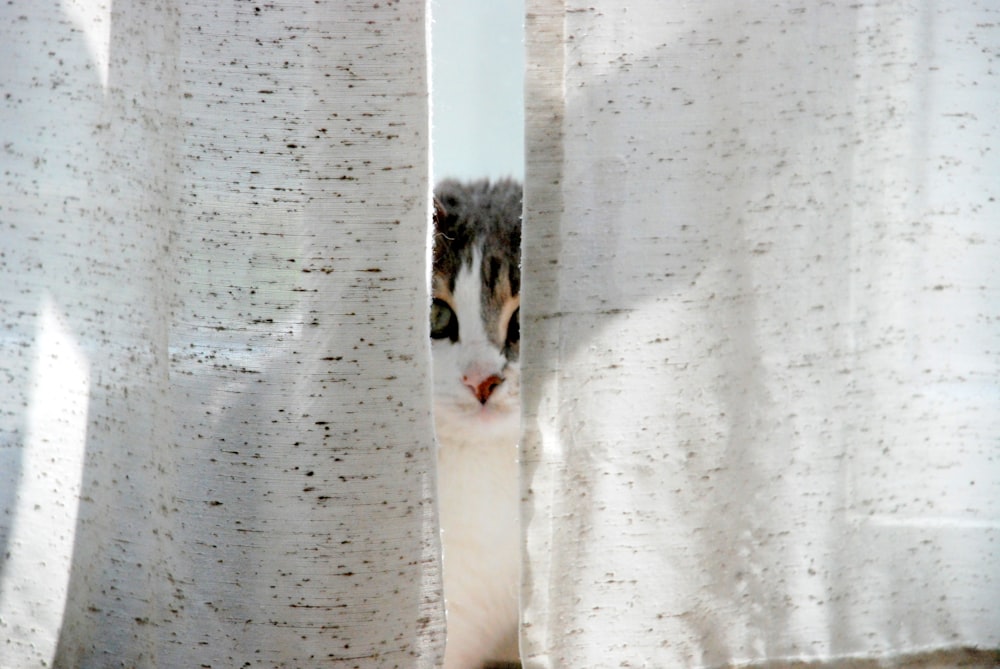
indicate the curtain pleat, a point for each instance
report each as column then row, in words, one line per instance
column 760, row 348
column 761, row 356
column 217, row 441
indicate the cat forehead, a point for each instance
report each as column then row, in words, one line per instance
column 494, row 273
column 478, row 217
column 488, row 270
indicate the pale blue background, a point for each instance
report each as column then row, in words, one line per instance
column 477, row 56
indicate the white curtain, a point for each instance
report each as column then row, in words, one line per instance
column 217, row 443
column 761, row 291
column 761, row 355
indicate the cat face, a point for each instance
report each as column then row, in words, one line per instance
column 474, row 318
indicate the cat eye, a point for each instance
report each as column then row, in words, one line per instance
column 514, row 328
column 444, row 322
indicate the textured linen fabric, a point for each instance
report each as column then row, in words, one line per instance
column 216, row 437
column 760, row 343
column 760, row 320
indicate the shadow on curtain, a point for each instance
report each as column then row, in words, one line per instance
column 758, row 421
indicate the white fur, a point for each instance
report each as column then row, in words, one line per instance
column 478, row 486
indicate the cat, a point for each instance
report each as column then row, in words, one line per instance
column 475, row 344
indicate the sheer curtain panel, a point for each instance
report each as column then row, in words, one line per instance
column 215, row 440
column 761, row 360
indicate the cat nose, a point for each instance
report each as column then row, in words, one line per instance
column 482, row 388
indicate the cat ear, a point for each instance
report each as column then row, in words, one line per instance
column 439, row 212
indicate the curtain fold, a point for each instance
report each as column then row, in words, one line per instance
column 760, row 353
column 761, row 358
column 217, row 442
